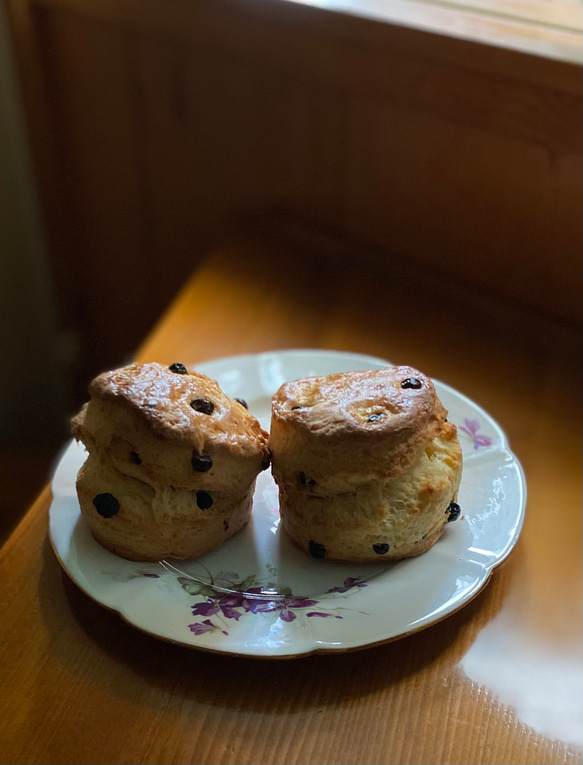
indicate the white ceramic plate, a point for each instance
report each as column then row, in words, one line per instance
column 257, row 595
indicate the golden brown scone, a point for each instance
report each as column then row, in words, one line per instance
column 172, row 462
column 140, row 521
column 367, row 465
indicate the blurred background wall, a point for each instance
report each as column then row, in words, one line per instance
column 134, row 135
column 34, row 387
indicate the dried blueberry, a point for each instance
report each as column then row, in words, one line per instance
column 202, row 405
column 454, row 511
column 178, row 368
column 242, row 402
column 381, row 549
column 266, row 463
column 411, row 382
column 204, row 500
column 376, row 417
column 304, row 480
column 106, row 505
column 202, row 463
column 135, row 458
column 298, row 406
column 316, row 550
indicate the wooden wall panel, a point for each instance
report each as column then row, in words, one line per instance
column 495, row 210
column 225, row 138
column 201, row 146
column 93, row 103
column 169, row 129
column 307, row 158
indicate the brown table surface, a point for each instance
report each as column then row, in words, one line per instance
column 497, row 682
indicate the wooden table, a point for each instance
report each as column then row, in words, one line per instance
column 497, row 682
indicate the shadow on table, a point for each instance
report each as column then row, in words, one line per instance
column 231, row 682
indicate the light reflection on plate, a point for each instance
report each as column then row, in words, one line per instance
column 258, row 595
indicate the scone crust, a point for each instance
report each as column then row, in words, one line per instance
column 386, row 519
column 366, row 463
column 353, row 427
column 179, row 477
column 162, row 399
column 140, row 420
column 157, row 522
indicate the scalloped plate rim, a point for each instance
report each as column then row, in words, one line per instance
column 308, row 646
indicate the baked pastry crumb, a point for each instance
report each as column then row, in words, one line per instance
column 172, row 462
column 367, row 465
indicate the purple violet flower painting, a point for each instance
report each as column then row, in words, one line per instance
column 241, row 598
column 471, row 428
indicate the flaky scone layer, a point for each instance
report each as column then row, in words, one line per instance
column 366, row 463
column 392, row 518
column 152, row 523
column 141, row 421
column 172, row 462
column 353, row 427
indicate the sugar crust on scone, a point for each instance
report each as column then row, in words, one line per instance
column 181, row 454
column 366, row 463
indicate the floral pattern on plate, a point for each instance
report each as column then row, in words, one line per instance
column 265, row 597
column 227, row 596
column 471, row 428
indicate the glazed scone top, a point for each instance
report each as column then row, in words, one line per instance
column 168, row 402
column 354, row 425
column 154, row 423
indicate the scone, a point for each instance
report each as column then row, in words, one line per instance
column 367, row 464
column 172, row 462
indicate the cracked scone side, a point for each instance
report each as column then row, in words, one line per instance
column 367, row 465
column 172, row 462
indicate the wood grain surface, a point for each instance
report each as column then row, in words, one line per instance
column 497, row 682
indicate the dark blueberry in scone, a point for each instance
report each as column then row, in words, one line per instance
column 316, row 550
column 106, row 505
column 135, row 458
column 178, row 368
column 202, row 405
column 411, row 382
column 454, row 511
column 202, row 462
column 204, row 500
column 304, row 480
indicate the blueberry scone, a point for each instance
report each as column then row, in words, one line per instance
column 367, row 464
column 171, row 465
